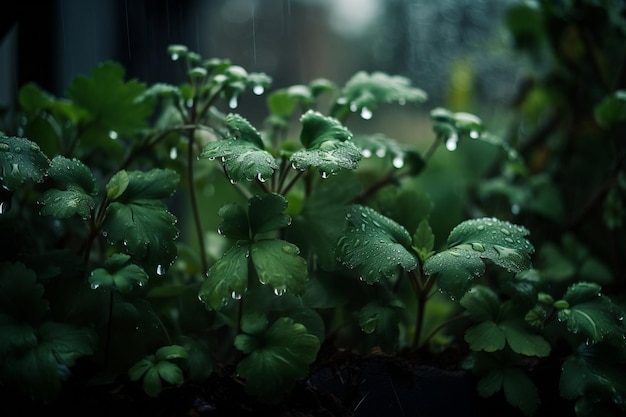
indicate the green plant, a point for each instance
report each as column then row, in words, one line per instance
column 326, row 238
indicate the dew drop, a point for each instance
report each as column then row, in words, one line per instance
column 4, row 147
column 94, row 286
column 366, row 114
column 505, row 231
column 478, row 247
column 5, row 206
column 235, row 295
column 113, row 134
column 452, row 141
column 366, row 153
column 258, row 90
column 353, row 107
column 17, row 149
column 279, row 291
column 325, row 174
column 175, row 57
column 474, row 134
column 515, row 209
column 260, row 178
column 173, row 153
column 381, row 152
column 398, row 162
column 233, row 102
column 481, row 227
column 160, row 270
column 232, row 181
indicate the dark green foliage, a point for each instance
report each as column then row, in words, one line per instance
column 327, row 239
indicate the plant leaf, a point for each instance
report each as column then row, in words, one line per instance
column 591, row 313
column 368, row 91
column 278, row 265
column 141, row 222
column 242, row 153
column 111, row 101
column 76, row 186
column 41, row 368
column 21, row 161
column 469, row 244
column 227, row 279
column 611, row 110
column 382, row 146
column 276, row 359
column 266, row 213
column 597, row 371
column 499, row 323
column 374, row 245
column 118, row 274
column 21, row 296
column 327, row 145
column 235, row 224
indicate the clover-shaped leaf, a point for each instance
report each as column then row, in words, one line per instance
column 382, row 146
column 139, row 220
column 111, row 101
column 242, row 153
column 327, row 145
column 21, row 160
column 227, row 279
column 154, row 369
column 76, row 186
column 592, row 314
column 365, row 92
column 235, row 224
column 37, row 367
column 503, row 370
column 118, row 273
column 278, row 264
column 265, row 214
column 597, row 370
column 374, row 245
column 20, row 293
column 499, row 324
column 469, row 244
column 276, row 359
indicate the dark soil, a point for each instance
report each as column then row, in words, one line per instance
column 340, row 384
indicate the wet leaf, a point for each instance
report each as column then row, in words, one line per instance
column 374, row 245
column 500, row 323
column 369, row 91
column 111, row 101
column 596, row 371
column 276, row 359
column 279, row 265
column 242, row 153
column 141, row 222
column 592, row 314
column 472, row 242
column 327, row 145
column 381, row 146
column 266, row 213
column 227, row 279
column 119, row 274
column 75, row 187
column 21, row 161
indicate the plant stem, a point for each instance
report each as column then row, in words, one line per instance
column 194, row 202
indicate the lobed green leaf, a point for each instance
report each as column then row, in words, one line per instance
column 374, row 245
column 21, row 161
column 276, row 359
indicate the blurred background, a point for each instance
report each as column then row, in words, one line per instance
column 458, row 51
